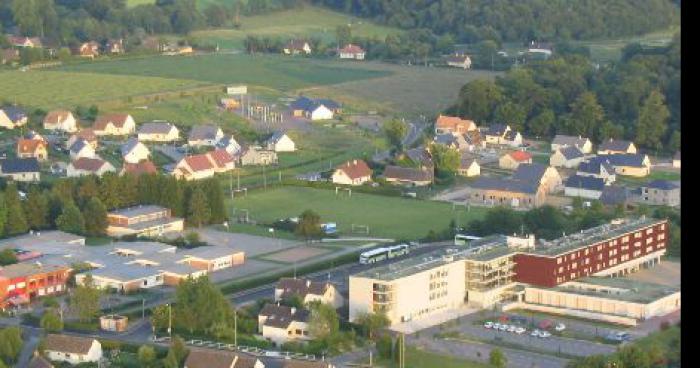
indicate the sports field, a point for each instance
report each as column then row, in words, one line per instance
column 392, row 217
column 49, row 89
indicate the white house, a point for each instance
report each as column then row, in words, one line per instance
column 205, row 135
column 584, row 186
column 563, row 141
column 230, row 145
column 72, row 349
column 352, row 52
column 280, row 324
column 89, row 166
column 62, row 120
column 569, row 157
column 295, row 47
column 280, row 142
column 114, row 124
column 81, row 148
column 309, row 291
column 158, row 132
column 134, row 151
column 12, row 117
column 459, row 61
column 355, row 172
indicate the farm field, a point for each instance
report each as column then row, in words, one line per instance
column 392, row 217
column 610, row 50
column 263, row 70
column 50, row 89
column 307, row 22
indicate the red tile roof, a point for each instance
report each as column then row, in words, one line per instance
column 88, row 164
column 199, row 162
column 118, row 120
column 220, row 157
column 520, row 156
column 355, row 169
column 453, row 122
column 29, row 145
column 352, row 49
column 143, row 167
column 56, row 116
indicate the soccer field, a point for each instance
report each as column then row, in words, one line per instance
column 393, row 217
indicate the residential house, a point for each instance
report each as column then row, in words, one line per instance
column 468, row 166
column 543, row 175
column 630, row 164
column 568, row 157
column 81, row 148
column 677, row 160
column 22, row 41
column 453, row 125
column 158, row 132
column 613, row 146
column 501, row 134
column 36, row 148
column 598, row 167
column 115, row 46
column 351, row 52
column 454, row 141
column 309, row 291
column 313, row 109
column 229, row 144
column 474, row 140
column 89, row 50
column 614, row 195
column 355, row 172
column 296, row 47
column 134, row 151
column 589, row 187
column 87, row 134
column 140, row 168
column 89, row 166
column 20, row 169
column 9, row 56
column 417, row 177
column 12, row 117
column 62, row 120
column 540, row 50
column 420, row 156
column 507, row 192
column 280, row 142
column 255, row 155
column 661, row 193
column 210, row 358
column 513, row 159
column 563, row 141
column 204, row 135
column 114, row 124
column 459, row 61
column 280, row 324
column 204, row 165
column 72, row 349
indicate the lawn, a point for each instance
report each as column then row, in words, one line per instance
column 306, row 22
column 392, row 217
column 278, row 72
column 50, row 89
column 417, row 358
column 655, row 175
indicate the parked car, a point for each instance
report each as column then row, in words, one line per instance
column 619, row 336
column 503, row 327
column 545, row 334
column 496, row 326
column 545, row 324
column 512, row 328
column 560, row 327
column 488, row 324
column 535, row 333
column 520, row 330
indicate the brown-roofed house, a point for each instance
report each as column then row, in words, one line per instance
column 72, row 349
column 36, row 148
column 144, row 167
column 280, row 323
column 295, row 47
column 453, row 124
column 87, row 50
column 351, row 51
column 469, row 167
column 114, row 124
column 60, row 120
column 408, row 175
column 206, row 358
column 459, row 61
column 89, row 166
column 309, row 291
column 354, row 172
column 204, row 165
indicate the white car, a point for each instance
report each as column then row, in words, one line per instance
column 545, row 334
column 488, row 324
column 496, row 326
column 560, row 327
column 512, row 328
column 535, row 333
column 520, row 330
column 503, row 327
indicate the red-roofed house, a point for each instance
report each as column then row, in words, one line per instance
column 512, row 160
column 453, row 124
column 351, row 51
column 114, row 124
column 204, row 165
column 87, row 49
column 60, row 120
column 32, row 148
column 355, row 172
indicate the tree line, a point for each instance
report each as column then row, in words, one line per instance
column 80, row 205
column 636, row 98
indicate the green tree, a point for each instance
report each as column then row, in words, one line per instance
column 200, row 306
column 512, row 114
column 146, row 356
column 95, row 215
column 309, row 226
column 36, row 209
column 651, row 124
column 323, row 322
column 198, row 212
column 446, row 160
column 478, row 99
column 71, row 220
column 51, row 321
column 7, row 257
column 384, row 346
column 15, row 222
column 395, row 130
column 586, row 115
column 10, row 344
column 178, row 350
column 497, row 359
column 215, row 198
column 85, row 301
column 542, row 123
column 370, row 323
column 343, row 35
column 3, row 214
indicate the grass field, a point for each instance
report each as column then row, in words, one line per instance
column 392, row 217
column 49, row 89
column 282, row 73
column 306, row 22
column 417, row 358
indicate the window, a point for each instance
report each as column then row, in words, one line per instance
column 559, row 260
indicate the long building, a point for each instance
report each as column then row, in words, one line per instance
column 21, row 283
column 146, row 220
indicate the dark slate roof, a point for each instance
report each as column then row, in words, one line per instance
column 408, row 174
column 201, row 132
column 585, row 182
column 627, row 159
column 78, row 145
column 330, row 104
column 531, row 173
column 613, row 195
column 301, row 287
column 446, row 139
column 281, row 316
column 571, row 152
column 615, row 145
column 593, row 166
column 129, row 146
column 308, row 104
column 14, row 113
column 569, row 140
column 511, row 135
column 19, row 165
column 662, row 185
column 507, row 185
column 496, row 129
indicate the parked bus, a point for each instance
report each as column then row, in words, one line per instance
column 380, row 254
column 462, row 239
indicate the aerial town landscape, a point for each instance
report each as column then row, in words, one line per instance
column 340, row 183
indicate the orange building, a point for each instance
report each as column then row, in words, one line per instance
column 21, row 283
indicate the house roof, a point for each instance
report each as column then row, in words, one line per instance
column 199, row 162
column 203, row 132
column 276, row 137
column 457, row 58
column 615, row 145
column 29, row 145
column 281, row 316
column 352, row 49
column 14, row 113
column 205, row 358
column 220, row 157
column 143, row 167
column 301, row 287
column 118, row 120
column 296, row 44
column 307, row 104
column 594, row 165
column 57, row 116
column 496, row 129
column 408, row 173
column 662, row 185
column 452, row 122
column 510, row 135
column 520, row 156
column 466, row 162
column 88, row 164
column 446, row 139
column 585, row 182
column 507, row 185
column 627, row 159
column 530, row 172
column 571, row 152
column 155, row 128
column 420, row 155
column 130, row 145
column 29, row 269
column 78, row 146
column 68, row 344
column 473, row 137
column 569, row 140
column 355, row 169
column 19, row 165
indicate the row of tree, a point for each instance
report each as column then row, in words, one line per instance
column 636, row 98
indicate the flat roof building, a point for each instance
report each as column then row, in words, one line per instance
column 148, row 220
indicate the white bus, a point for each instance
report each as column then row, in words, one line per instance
column 380, row 254
column 462, row 239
